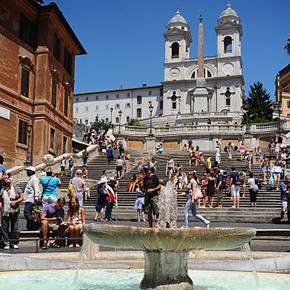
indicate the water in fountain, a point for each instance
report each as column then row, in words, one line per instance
column 247, row 249
column 82, row 253
column 167, row 204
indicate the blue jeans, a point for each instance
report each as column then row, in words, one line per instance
column 27, row 214
column 192, row 207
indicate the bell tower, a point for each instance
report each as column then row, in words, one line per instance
column 177, row 39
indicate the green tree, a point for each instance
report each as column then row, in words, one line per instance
column 257, row 106
column 100, row 124
column 135, row 122
column 287, row 45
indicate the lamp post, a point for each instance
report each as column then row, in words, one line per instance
column 247, row 119
column 279, row 124
column 111, row 110
column 151, row 111
column 97, row 119
column 120, row 114
column 28, row 162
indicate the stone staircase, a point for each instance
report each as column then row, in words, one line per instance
column 268, row 201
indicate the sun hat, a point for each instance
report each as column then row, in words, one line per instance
column 30, row 168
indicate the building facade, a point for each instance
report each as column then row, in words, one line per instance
column 38, row 49
column 282, row 85
column 193, row 89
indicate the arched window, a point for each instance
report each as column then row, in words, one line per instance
column 86, row 122
column 128, row 119
column 208, row 74
column 193, row 75
column 175, row 50
column 107, row 120
column 228, row 97
column 228, row 44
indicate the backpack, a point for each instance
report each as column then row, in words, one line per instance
column 226, row 148
column 237, row 181
column 224, row 183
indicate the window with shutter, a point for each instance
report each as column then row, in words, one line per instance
column 53, row 95
column 25, row 83
column 22, row 132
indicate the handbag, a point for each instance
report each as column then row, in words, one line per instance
column 198, row 193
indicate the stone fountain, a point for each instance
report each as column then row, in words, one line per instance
column 166, row 248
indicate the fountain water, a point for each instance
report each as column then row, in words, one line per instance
column 166, row 248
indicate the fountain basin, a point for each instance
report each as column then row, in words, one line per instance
column 168, row 240
column 166, row 250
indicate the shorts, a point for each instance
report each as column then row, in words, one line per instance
column 53, row 227
column 284, row 206
column 235, row 190
column 151, row 205
column 62, row 169
column 264, row 168
column 219, row 192
column 229, row 156
column 277, row 174
column 119, row 168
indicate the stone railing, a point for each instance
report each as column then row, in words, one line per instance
column 19, row 173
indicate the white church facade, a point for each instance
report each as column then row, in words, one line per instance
column 193, row 90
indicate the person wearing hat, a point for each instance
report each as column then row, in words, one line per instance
column 49, row 186
column 102, row 198
column 31, row 196
column 79, row 186
column 151, row 187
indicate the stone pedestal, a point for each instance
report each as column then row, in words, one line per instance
column 150, row 144
column 166, row 270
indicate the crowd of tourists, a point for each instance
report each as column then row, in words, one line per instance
column 205, row 184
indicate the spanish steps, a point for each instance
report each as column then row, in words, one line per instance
column 268, row 201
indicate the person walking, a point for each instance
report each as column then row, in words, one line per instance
column 79, row 187
column 49, row 186
column 191, row 202
column 276, row 172
column 71, row 166
column 211, row 185
column 169, row 166
column 234, row 187
column 285, row 198
column 253, row 189
column 10, row 198
column 151, row 186
column 119, row 166
column 109, row 154
column 31, row 197
column 264, row 168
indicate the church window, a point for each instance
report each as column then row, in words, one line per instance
column 175, row 50
column 139, row 113
column 193, row 75
column 228, row 44
column 139, row 100
column 173, row 105
column 127, row 119
column 228, row 97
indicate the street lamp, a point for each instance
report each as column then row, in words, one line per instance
column 120, row 114
column 97, row 119
column 247, row 118
column 111, row 110
column 151, row 111
column 279, row 124
column 28, row 162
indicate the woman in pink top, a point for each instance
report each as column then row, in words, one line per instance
column 242, row 151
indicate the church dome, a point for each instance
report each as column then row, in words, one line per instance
column 177, row 21
column 229, row 12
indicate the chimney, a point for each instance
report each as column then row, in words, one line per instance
column 144, row 85
column 121, row 86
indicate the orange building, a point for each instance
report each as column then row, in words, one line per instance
column 282, row 84
column 37, row 65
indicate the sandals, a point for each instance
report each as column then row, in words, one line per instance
column 54, row 245
column 44, row 247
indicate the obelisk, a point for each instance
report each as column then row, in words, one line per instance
column 201, row 94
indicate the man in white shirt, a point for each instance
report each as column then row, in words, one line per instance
column 31, row 196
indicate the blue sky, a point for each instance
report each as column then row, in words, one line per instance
column 125, row 44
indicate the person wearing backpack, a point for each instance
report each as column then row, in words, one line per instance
column 234, row 187
column 220, row 188
column 253, row 189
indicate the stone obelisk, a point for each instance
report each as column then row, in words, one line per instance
column 201, row 94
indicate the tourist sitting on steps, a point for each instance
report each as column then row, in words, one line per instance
column 75, row 220
column 52, row 219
